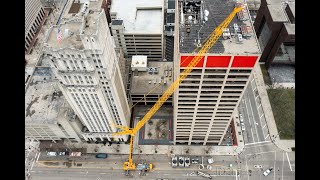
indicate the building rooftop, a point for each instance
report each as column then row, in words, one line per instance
column 140, row 80
column 292, row 8
column 78, row 20
column 139, row 16
column 218, row 11
column 171, row 4
column 277, row 13
column 43, row 99
column 290, row 28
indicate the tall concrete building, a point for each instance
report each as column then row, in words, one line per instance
column 137, row 27
column 47, row 114
column 206, row 100
column 34, row 16
column 83, row 58
column 275, row 27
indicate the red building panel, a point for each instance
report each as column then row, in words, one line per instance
column 185, row 60
column 218, row 61
column 244, row 61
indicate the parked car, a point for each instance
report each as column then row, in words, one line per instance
column 241, row 118
column 267, row 172
column 194, row 161
column 187, row 162
column 52, row 154
column 174, row 161
column 101, row 155
column 243, row 128
column 181, row 161
column 62, row 153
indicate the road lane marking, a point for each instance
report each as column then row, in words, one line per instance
column 261, row 116
column 258, row 142
column 266, row 136
column 274, row 165
column 282, row 165
column 103, row 173
column 260, row 153
column 289, row 161
column 259, row 106
column 264, row 126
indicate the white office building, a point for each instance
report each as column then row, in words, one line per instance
column 87, row 67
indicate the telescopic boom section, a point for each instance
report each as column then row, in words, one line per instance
column 214, row 36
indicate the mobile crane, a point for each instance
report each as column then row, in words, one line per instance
column 211, row 40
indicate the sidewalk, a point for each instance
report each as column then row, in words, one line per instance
column 285, row 145
column 160, row 149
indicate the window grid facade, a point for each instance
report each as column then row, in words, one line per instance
column 205, row 102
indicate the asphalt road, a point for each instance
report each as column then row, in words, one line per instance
column 256, row 130
column 92, row 168
column 46, row 173
column 256, row 158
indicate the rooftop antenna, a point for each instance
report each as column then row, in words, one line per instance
column 199, row 42
column 182, row 18
column 206, row 14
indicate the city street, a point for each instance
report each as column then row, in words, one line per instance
column 258, row 157
column 93, row 168
column 40, row 173
column 256, row 130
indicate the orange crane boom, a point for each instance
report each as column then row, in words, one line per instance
column 213, row 38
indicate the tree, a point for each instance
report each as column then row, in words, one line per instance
column 150, row 122
column 149, row 134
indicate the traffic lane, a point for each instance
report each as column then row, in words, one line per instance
column 258, row 163
column 260, row 112
column 42, row 173
column 246, row 133
column 254, row 106
column 249, row 124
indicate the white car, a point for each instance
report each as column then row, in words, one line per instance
column 52, row 154
column 267, row 172
column 174, row 161
column 242, row 127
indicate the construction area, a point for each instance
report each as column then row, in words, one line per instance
column 159, row 129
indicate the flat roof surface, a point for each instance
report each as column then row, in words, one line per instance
column 72, row 23
column 290, row 28
column 139, row 16
column 218, row 11
column 277, row 13
column 292, row 8
column 171, row 4
column 140, row 80
column 43, row 99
